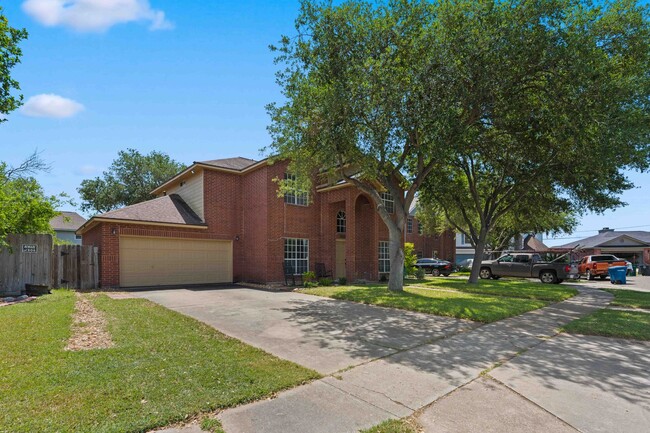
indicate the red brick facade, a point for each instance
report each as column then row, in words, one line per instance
column 245, row 208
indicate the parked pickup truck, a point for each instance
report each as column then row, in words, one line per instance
column 598, row 266
column 527, row 265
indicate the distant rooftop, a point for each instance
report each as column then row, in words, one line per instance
column 237, row 163
column 67, row 221
column 606, row 235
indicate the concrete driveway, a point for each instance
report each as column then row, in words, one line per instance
column 318, row 333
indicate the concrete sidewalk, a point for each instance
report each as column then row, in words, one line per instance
column 397, row 385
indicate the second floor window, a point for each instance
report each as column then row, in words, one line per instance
column 409, row 225
column 388, row 201
column 419, row 228
column 295, row 196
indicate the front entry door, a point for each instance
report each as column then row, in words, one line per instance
column 340, row 258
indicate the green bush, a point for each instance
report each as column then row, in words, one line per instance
column 309, row 277
column 343, row 281
column 419, row 273
column 309, row 284
column 409, row 258
column 324, row 282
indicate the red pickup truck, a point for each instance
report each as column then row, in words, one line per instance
column 598, row 266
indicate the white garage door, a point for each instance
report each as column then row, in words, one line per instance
column 146, row 261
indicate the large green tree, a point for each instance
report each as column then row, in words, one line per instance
column 357, row 106
column 10, row 54
column 24, row 207
column 552, row 106
column 129, row 180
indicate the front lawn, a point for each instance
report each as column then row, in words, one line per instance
column 630, row 298
column 481, row 308
column 613, row 323
column 163, row 368
column 513, row 288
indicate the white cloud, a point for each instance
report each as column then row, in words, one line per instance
column 50, row 105
column 87, row 170
column 94, row 15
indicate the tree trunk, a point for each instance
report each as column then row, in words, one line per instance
column 479, row 250
column 396, row 254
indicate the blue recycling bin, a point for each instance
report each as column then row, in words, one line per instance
column 617, row 274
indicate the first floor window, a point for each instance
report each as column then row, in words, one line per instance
column 384, row 257
column 388, row 201
column 296, row 254
column 340, row 222
column 409, row 225
column 295, row 196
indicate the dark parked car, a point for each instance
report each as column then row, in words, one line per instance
column 435, row 266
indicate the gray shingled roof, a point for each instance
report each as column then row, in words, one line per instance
column 237, row 163
column 601, row 238
column 170, row 209
column 67, row 221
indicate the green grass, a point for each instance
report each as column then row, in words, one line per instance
column 164, row 368
column 392, row 426
column 513, row 288
column 630, row 298
column 613, row 323
column 481, row 308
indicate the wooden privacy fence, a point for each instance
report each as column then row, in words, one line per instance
column 33, row 260
column 26, row 261
column 75, row 266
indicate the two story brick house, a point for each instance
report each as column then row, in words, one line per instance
column 222, row 221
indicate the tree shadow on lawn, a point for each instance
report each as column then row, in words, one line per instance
column 358, row 328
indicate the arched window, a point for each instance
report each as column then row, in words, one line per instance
column 340, row 222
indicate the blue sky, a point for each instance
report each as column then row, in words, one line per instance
column 187, row 78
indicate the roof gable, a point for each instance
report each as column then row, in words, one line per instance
column 623, row 240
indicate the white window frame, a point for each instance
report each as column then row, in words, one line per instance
column 341, row 222
column 388, row 201
column 295, row 197
column 409, row 225
column 296, row 253
column 463, row 239
column 384, row 257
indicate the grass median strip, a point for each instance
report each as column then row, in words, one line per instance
column 513, row 288
column 164, row 368
column 481, row 308
column 630, row 298
column 613, row 323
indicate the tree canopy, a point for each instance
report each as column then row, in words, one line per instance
column 552, row 106
column 24, row 207
column 10, row 54
column 129, row 180
column 357, row 106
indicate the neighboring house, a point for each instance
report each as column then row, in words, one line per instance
column 465, row 250
column 633, row 246
column 221, row 221
column 66, row 224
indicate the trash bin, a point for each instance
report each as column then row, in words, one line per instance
column 617, row 274
column 645, row 270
